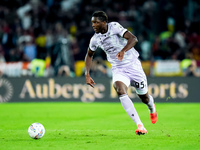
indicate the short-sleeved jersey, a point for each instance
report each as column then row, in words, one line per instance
column 113, row 42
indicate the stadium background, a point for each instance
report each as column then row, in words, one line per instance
column 42, row 47
column 46, row 40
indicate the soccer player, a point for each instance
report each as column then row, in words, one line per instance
column 118, row 44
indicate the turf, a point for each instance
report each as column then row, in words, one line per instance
column 99, row 126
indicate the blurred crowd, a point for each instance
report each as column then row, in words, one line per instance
column 58, row 31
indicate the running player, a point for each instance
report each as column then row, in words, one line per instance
column 118, row 44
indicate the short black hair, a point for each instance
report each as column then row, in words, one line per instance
column 101, row 15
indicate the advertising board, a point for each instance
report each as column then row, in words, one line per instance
column 163, row 89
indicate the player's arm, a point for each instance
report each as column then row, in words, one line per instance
column 88, row 62
column 131, row 42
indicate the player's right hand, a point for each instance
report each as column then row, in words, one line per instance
column 120, row 55
column 89, row 80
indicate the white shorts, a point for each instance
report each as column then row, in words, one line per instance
column 132, row 75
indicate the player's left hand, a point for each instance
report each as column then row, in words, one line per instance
column 120, row 55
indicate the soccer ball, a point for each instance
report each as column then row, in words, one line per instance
column 36, row 130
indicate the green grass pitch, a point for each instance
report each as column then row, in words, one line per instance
column 99, row 126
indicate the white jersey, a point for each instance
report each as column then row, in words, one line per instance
column 113, row 42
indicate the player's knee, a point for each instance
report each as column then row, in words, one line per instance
column 144, row 98
column 120, row 91
column 120, row 88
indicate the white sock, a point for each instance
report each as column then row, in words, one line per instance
column 130, row 109
column 150, row 105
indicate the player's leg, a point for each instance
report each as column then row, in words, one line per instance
column 149, row 101
column 141, row 89
column 126, row 102
column 139, row 81
column 121, row 84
